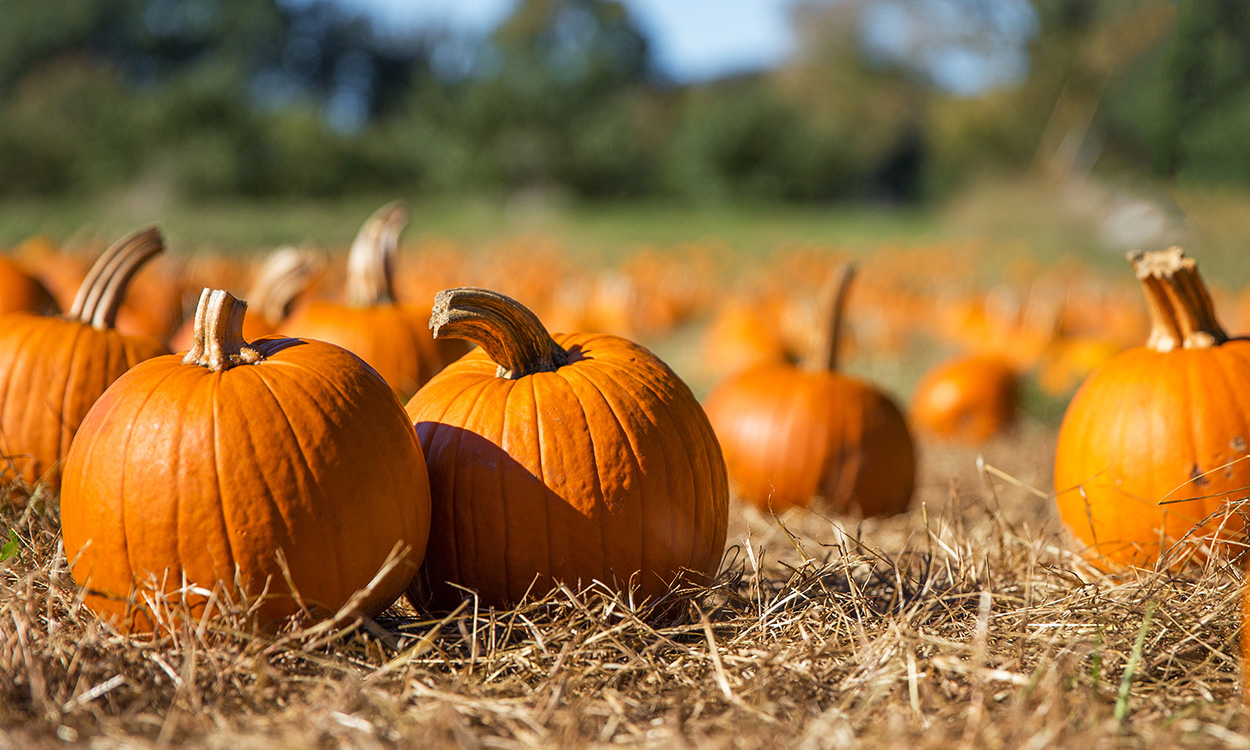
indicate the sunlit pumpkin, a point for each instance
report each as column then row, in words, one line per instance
column 791, row 433
column 52, row 369
column 967, row 399
column 391, row 336
column 1154, row 445
column 22, row 292
column 574, row 458
column 216, row 470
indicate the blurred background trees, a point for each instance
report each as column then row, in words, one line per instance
column 884, row 100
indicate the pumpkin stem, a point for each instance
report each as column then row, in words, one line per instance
column 102, row 291
column 371, row 262
column 287, row 273
column 219, row 343
column 825, row 355
column 1182, row 314
column 508, row 331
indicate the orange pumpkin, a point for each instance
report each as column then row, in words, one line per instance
column 968, row 400
column 575, row 458
column 1154, row 445
column 21, row 292
column 192, row 474
column 52, row 369
column 390, row 336
column 745, row 333
column 791, row 433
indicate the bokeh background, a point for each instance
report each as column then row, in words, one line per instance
column 149, row 106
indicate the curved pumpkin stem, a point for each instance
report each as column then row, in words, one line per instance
column 508, row 331
column 287, row 273
column 219, row 343
column 102, row 291
column 1182, row 314
column 825, row 356
column 371, row 262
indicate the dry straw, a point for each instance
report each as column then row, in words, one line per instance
column 968, row 623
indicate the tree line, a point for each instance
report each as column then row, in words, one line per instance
column 214, row 98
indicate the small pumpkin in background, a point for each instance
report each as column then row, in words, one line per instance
column 1155, row 444
column 968, row 399
column 391, row 336
column 1070, row 360
column 571, row 458
column 792, row 433
column 286, row 274
column 60, row 270
column 743, row 333
column 22, row 292
column 52, row 369
column 193, row 473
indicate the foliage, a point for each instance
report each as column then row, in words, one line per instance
column 303, row 99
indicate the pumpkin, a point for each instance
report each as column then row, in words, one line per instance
column 968, row 399
column 52, row 369
column 1070, row 359
column 792, row 433
column 571, row 458
column 390, row 336
column 287, row 273
column 1153, row 446
column 20, row 291
column 194, row 473
column 744, row 333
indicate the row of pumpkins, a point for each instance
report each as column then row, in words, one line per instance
column 261, row 463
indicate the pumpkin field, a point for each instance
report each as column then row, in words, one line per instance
column 840, row 512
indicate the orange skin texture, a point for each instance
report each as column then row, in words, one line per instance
column 393, row 338
column 21, row 292
column 967, row 400
column 790, row 435
column 181, row 471
column 51, row 372
column 1150, row 426
column 605, row 469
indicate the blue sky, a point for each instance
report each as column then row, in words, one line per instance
column 692, row 40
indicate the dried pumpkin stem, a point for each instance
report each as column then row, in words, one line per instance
column 371, row 262
column 1182, row 314
column 219, row 343
column 101, row 293
column 286, row 274
column 508, row 331
column 825, row 356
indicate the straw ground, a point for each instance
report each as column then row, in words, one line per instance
column 970, row 622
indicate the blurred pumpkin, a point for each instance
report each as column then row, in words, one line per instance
column 286, row 274
column 392, row 337
column 791, row 434
column 52, row 369
column 21, row 291
column 967, row 399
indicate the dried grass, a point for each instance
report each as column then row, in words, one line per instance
column 968, row 623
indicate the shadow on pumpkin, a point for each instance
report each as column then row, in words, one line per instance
column 499, row 530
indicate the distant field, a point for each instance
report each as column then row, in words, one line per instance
column 605, row 230
column 1031, row 220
